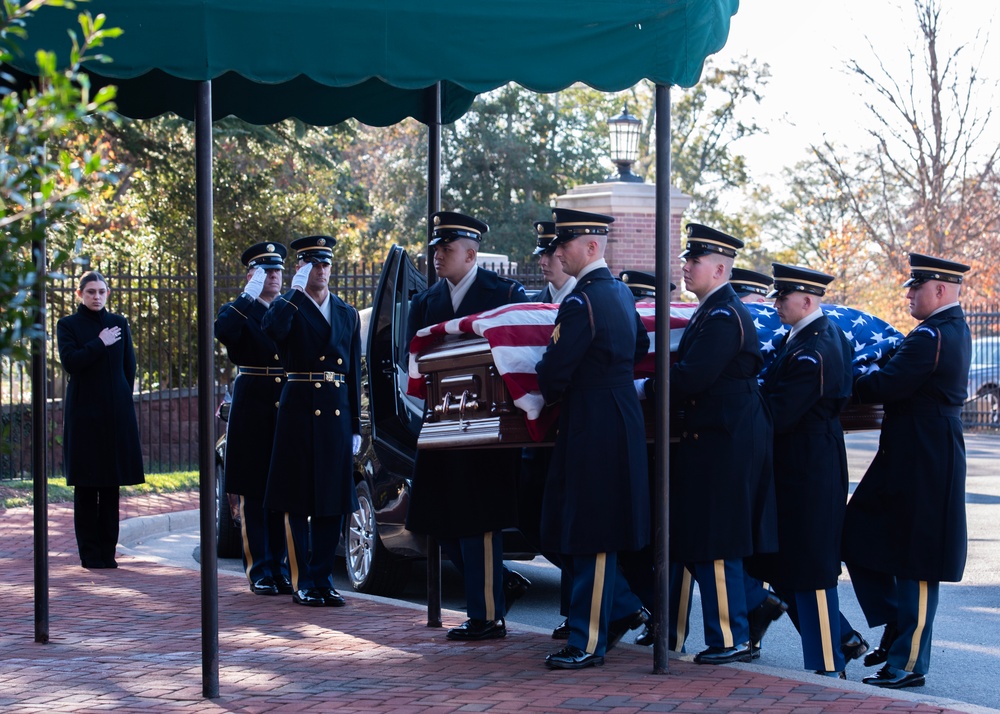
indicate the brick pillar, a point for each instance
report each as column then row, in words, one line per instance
column 631, row 242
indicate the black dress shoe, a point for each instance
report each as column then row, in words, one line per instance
column 515, row 586
column 854, row 646
column 724, row 655
column 890, row 677
column 645, row 638
column 572, row 658
column 283, row 585
column 761, row 617
column 472, row 630
column 313, row 597
column 331, row 598
column 618, row 628
column 562, row 631
column 264, row 586
column 881, row 653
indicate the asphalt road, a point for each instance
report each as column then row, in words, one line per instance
column 966, row 655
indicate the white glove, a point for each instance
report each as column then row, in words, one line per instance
column 255, row 285
column 302, row 276
column 640, row 388
column 356, row 444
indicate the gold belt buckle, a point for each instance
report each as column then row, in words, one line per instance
column 329, row 376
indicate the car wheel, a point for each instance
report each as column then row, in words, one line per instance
column 370, row 566
column 229, row 542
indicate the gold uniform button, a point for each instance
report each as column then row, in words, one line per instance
column 317, row 412
column 337, row 384
column 278, row 380
column 276, row 358
column 337, row 412
column 340, row 361
column 322, row 358
column 318, row 385
column 276, row 404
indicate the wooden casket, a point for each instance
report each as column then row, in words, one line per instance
column 469, row 405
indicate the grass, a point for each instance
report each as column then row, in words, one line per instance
column 20, row 492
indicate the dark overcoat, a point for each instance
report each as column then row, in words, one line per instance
column 254, row 409
column 597, row 492
column 907, row 516
column 463, row 492
column 806, row 387
column 721, row 486
column 311, row 470
column 100, row 432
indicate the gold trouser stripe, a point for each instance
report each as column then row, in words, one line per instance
column 921, row 624
column 596, row 596
column 825, row 635
column 491, row 605
column 683, row 608
column 247, row 555
column 293, row 561
column 722, row 596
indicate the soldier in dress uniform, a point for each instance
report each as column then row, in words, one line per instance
column 750, row 286
column 905, row 528
column 642, row 284
column 252, row 416
column 596, row 495
column 559, row 283
column 722, row 505
column 318, row 430
column 467, row 497
column 805, row 388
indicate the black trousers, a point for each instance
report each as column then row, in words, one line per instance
column 95, row 519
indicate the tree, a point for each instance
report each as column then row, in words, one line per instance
column 928, row 182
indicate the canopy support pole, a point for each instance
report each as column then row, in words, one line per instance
column 433, row 96
column 206, row 392
column 661, row 527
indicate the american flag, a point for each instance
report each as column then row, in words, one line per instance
column 518, row 335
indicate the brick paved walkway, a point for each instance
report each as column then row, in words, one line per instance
column 129, row 640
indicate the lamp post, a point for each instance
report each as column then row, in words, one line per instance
column 624, row 130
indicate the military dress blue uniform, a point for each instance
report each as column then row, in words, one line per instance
column 722, row 506
column 468, row 496
column 311, row 474
column 905, row 526
column 250, row 427
column 596, row 500
column 806, row 387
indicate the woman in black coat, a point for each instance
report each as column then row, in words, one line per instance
column 101, row 448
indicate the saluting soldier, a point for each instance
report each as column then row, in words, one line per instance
column 721, row 489
column 750, row 286
column 466, row 498
column 319, row 419
column 905, row 527
column 252, row 416
column 805, row 388
column 596, row 495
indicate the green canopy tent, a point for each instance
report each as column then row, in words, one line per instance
column 323, row 61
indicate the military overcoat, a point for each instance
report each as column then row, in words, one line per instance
column 597, row 492
column 256, row 393
column 101, row 445
column 311, row 469
column 907, row 516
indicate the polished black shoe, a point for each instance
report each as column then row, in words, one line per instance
column 562, row 631
column 331, row 598
column 313, row 597
column 472, row 630
column 283, row 584
column 724, row 655
column 881, row 653
column 854, row 646
column 618, row 628
column 515, row 586
column 890, row 677
column 761, row 617
column 264, row 586
column 572, row 658
column 645, row 638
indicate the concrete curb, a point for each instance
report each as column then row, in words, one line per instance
column 133, row 531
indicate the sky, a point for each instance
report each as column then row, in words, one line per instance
column 807, row 44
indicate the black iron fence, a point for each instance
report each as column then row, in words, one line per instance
column 160, row 302
column 981, row 409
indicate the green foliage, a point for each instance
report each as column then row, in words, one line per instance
column 20, row 492
column 43, row 178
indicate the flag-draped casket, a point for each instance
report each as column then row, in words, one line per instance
column 477, row 373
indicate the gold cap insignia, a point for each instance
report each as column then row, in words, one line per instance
column 437, row 220
column 270, row 247
column 321, row 241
